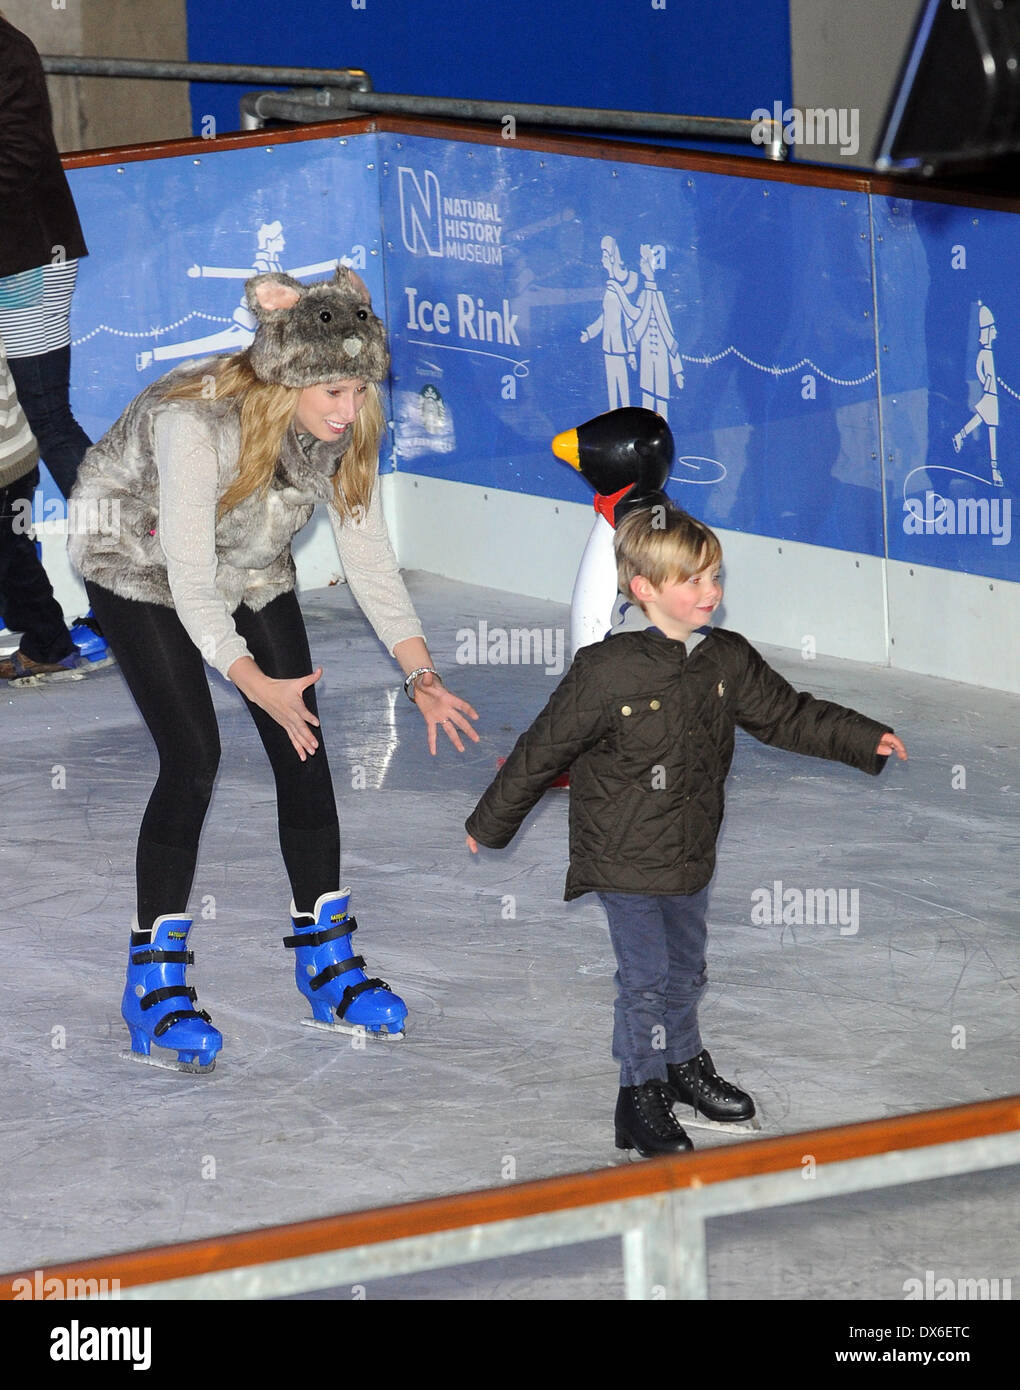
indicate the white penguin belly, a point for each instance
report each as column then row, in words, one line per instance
column 595, row 588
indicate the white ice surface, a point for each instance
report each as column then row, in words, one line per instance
column 506, row 1066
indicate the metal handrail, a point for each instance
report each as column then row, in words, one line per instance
column 257, row 107
column 173, row 71
column 349, row 90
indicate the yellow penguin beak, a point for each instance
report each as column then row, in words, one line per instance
column 565, row 447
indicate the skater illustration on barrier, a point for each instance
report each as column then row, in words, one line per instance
column 659, row 356
column 613, row 324
column 636, row 336
column 215, row 467
column 646, row 804
column 242, row 328
column 986, row 411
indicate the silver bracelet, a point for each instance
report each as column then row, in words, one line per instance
column 410, row 679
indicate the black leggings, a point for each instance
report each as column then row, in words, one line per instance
column 166, row 675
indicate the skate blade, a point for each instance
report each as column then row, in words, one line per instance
column 353, row 1030
column 751, row 1126
column 165, row 1064
column 89, row 665
column 47, row 678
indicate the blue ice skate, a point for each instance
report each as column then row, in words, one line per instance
column 157, row 1005
column 342, row 997
column 87, row 636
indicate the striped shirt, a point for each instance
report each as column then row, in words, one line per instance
column 35, row 309
column 18, row 450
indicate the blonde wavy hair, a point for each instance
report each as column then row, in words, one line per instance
column 266, row 413
column 663, row 544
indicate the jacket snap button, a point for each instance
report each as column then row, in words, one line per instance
column 626, row 710
column 655, row 704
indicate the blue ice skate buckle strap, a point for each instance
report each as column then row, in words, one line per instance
column 341, row 967
column 158, row 957
column 352, row 991
column 178, row 1014
column 158, row 996
column 319, row 938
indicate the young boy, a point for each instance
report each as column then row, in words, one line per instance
column 645, row 721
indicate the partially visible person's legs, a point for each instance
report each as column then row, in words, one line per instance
column 26, row 595
column 43, row 386
column 35, row 317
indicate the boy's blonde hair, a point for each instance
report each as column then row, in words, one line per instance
column 266, row 413
column 664, row 544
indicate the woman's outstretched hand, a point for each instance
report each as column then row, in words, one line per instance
column 441, row 709
column 282, row 700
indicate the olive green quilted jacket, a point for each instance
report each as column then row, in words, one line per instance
column 647, row 733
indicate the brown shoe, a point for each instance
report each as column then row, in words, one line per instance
column 17, row 666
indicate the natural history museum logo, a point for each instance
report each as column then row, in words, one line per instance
column 453, row 228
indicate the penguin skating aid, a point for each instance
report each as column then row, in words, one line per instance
column 343, row 998
column 626, row 455
column 157, row 1003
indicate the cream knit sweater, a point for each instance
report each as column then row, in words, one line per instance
column 159, row 473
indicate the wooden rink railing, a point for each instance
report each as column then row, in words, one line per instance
column 947, row 1140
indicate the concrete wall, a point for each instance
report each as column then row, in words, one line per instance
column 91, row 112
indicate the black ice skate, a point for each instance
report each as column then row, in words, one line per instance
column 715, row 1103
column 645, row 1121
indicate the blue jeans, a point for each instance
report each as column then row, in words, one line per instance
column 43, row 385
column 659, row 941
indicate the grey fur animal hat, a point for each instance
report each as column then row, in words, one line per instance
column 311, row 334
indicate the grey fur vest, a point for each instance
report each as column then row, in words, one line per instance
column 114, row 515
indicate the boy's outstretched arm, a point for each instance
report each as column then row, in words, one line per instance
column 572, row 721
column 768, row 707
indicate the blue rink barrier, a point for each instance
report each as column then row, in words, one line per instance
column 815, row 349
column 837, row 361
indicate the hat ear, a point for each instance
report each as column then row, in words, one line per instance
column 351, row 282
column 272, row 292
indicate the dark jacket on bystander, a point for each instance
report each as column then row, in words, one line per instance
column 38, row 222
